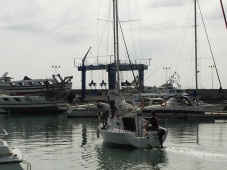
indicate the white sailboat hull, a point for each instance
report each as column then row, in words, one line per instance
column 116, row 133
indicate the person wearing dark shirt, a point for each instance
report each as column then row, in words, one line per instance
column 154, row 127
column 152, row 124
column 154, row 121
column 71, row 96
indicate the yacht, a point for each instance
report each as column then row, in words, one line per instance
column 29, row 104
column 11, row 158
column 29, row 86
column 176, row 105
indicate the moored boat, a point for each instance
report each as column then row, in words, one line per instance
column 176, row 105
column 29, row 86
column 82, row 110
column 11, row 158
column 29, row 104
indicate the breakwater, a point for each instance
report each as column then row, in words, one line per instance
column 206, row 95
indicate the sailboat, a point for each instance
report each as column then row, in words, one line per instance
column 127, row 128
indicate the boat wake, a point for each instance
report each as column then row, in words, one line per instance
column 199, row 154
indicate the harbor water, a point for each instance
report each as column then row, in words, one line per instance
column 55, row 142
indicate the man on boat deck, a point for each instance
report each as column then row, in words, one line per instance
column 104, row 112
column 154, row 127
column 111, row 94
column 71, row 96
column 153, row 121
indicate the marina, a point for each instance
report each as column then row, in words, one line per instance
column 72, row 143
column 48, row 124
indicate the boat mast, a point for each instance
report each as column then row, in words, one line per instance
column 114, row 28
column 116, row 41
column 196, row 64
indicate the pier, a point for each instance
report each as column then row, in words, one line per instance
column 207, row 117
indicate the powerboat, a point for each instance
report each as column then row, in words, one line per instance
column 29, row 104
column 79, row 109
column 169, row 89
column 11, row 158
column 176, row 105
column 29, row 86
column 87, row 110
column 211, row 107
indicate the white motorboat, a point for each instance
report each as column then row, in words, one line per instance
column 29, row 86
column 211, row 107
column 165, row 91
column 11, row 158
column 29, row 104
column 177, row 104
column 78, row 109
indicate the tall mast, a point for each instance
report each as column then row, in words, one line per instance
column 196, row 65
column 114, row 28
column 116, row 41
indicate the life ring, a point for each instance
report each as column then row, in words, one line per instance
column 163, row 103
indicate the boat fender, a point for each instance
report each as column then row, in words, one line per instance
column 163, row 103
column 98, row 133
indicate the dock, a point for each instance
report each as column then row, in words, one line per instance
column 208, row 116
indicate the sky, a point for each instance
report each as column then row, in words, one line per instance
column 43, row 37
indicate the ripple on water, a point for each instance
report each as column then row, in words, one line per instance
column 199, row 154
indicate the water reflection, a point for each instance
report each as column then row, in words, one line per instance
column 73, row 144
column 112, row 157
column 180, row 132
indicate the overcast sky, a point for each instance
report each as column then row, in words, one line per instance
column 36, row 35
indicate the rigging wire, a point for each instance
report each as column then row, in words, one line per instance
column 181, row 48
column 223, row 11
column 131, row 29
column 151, row 73
column 141, row 51
column 215, row 66
column 129, row 59
column 106, row 26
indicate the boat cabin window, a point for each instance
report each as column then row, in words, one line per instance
column 6, row 99
column 179, row 91
column 12, row 84
column 17, row 99
column 21, row 84
column 28, row 99
column 185, row 102
column 157, row 102
column 41, row 83
column 31, row 83
column 171, row 91
column 129, row 123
